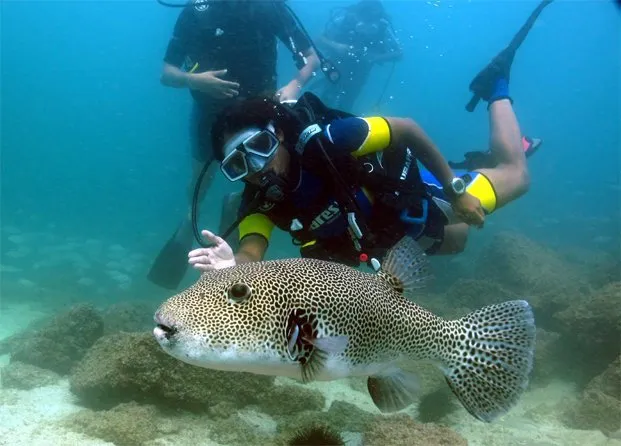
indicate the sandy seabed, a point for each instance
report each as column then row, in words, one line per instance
column 36, row 417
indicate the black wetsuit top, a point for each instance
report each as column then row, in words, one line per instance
column 237, row 35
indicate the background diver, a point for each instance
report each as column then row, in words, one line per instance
column 221, row 50
column 356, row 38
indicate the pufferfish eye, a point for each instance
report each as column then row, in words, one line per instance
column 239, row 292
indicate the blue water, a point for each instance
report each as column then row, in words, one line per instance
column 94, row 147
column 95, row 157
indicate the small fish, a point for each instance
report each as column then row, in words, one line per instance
column 316, row 320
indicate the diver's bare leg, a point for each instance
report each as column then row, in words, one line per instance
column 455, row 238
column 510, row 177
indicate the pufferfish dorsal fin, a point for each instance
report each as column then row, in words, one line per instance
column 306, row 347
column 406, row 266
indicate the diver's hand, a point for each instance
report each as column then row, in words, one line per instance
column 289, row 92
column 210, row 82
column 468, row 209
column 219, row 256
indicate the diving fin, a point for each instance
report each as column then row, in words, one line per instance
column 531, row 145
column 171, row 263
column 486, row 160
column 482, row 85
column 474, row 160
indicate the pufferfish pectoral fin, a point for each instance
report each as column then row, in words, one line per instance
column 322, row 349
column 406, row 266
column 305, row 346
column 394, row 390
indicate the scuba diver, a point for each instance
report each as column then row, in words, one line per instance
column 347, row 188
column 220, row 51
column 357, row 37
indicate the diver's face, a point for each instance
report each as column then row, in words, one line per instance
column 279, row 164
column 367, row 29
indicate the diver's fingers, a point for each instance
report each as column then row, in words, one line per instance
column 225, row 83
column 199, row 252
column 203, row 260
column 229, row 94
column 204, row 268
column 213, row 238
column 481, row 214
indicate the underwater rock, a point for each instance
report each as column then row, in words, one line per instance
column 533, row 271
column 551, row 360
column 60, row 342
column 237, row 431
column 287, row 399
column 10, row 343
column 599, row 267
column 436, row 397
column 436, row 405
column 475, row 293
column 222, row 410
column 132, row 366
column 341, row 416
column 128, row 316
column 18, row 375
column 447, row 270
column 593, row 323
column 402, row 430
column 599, row 406
column 127, row 424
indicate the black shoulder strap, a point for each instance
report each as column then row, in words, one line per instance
column 312, row 110
column 315, row 116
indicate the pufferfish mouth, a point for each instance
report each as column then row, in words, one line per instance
column 163, row 330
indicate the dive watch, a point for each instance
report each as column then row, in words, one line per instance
column 458, row 186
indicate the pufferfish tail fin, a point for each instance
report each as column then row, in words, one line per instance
column 489, row 367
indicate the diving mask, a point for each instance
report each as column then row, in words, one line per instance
column 249, row 152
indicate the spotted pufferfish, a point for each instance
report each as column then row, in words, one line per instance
column 317, row 320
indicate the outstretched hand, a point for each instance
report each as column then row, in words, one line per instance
column 218, row 256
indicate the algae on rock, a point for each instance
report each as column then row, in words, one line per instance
column 131, row 366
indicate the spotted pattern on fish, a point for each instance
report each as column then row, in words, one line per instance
column 381, row 322
column 486, row 356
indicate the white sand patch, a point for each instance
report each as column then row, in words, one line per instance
column 16, row 317
column 32, row 418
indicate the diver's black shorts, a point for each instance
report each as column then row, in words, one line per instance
column 201, row 120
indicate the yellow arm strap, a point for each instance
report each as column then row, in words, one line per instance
column 482, row 188
column 258, row 224
column 378, row 137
